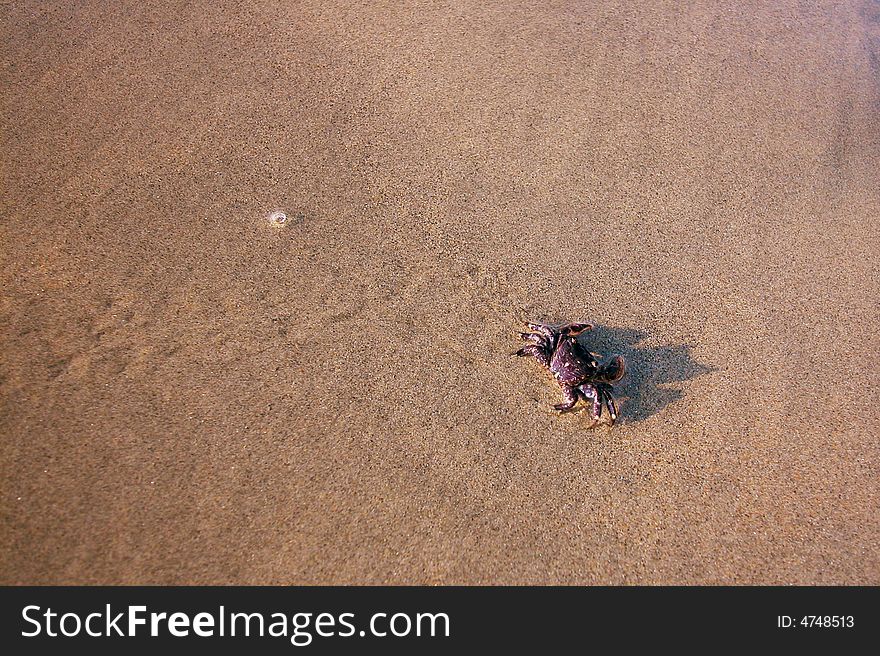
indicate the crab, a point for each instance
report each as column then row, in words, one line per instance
column 578, row 371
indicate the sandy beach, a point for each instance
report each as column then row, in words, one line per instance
column 192, row 395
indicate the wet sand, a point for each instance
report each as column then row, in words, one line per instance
column 192, row 395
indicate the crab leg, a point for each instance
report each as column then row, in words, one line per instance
column 612, row 405
column 571, row 398
column 549, row 334
column 537, row 351
column 591, row 395
column 544, row 329
column 534, row 337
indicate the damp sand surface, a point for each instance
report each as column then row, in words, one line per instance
column 191, row 394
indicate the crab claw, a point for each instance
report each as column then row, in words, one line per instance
column 575, row 328
column 613, row 370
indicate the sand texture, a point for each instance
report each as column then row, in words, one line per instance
column 193, row 395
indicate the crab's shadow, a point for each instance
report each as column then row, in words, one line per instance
column 651, row 371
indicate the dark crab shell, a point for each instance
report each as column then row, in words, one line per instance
column 571, row 363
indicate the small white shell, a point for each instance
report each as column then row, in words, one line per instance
column 278, row 218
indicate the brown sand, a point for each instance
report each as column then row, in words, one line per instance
column 193, row 396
